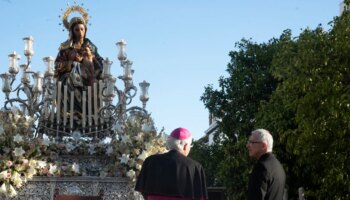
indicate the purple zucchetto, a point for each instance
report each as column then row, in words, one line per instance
column 180, row 134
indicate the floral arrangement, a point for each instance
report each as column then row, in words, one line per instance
column 23, row 155
column 136, row 144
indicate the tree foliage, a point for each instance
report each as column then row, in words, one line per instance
column 299, row 89
column 209, row 157
column 236, row 103
column 315, row 87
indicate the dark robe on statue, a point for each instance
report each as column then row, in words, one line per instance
column 88, row 74
column 172, row 175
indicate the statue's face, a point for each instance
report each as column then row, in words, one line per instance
column 79, row 31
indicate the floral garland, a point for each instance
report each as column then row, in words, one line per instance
column 23, row 156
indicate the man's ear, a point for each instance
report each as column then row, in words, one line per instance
column 264, row 146
column 185, row 147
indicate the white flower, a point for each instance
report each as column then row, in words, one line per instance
column 75, row 168
column 1, row 129
column 31, row 172
column 70, row 147
column 12, row 191
column 91, row 149
column 118, row 128
column 146, row 128
column 16, row 178
column 138, row 166
column 18, row 151
column 148, row 145
column 139, row 136
column 143, row 155
column 76, row 135
column 16, row 117
column 3, row 188
column 53, row 169
column 124, row 159
column 125, row 139
column 3, row 174
column 161, row 140
column 33, row 163
column 41, row 164
column 109, row 151
column 18, row 138
column 131, row 174
column 137, row 151
column 28, row 118
column 46, row 142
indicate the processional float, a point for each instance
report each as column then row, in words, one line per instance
column 48, row 145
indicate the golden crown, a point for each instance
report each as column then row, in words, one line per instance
column 71, row 9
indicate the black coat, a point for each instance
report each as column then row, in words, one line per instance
column 172, row 174
column 267, row 181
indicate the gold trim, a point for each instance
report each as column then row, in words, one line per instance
column 71, row 9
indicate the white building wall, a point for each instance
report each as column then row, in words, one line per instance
column 342, row 7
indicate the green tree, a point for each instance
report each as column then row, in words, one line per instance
column 315, row 93
column 236, row 103
column 209, row 156
column 299, row 89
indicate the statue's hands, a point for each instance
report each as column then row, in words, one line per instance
column 87, row 53
column 75, row 56
column 63, row 67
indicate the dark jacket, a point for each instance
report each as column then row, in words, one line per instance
column 267, row 181
column 172, row 174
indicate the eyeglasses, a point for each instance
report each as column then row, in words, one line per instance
column 253, row 142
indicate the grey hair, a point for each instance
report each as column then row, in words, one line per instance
column 175, row 144
column 264, row 136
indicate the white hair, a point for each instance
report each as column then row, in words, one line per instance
column 176, row 144
column 264, row 136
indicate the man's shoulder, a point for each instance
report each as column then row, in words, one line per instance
column 270, row 162
column 154, row 156
column 189, row 162
column 173, row 156
column 268, row 157
column 193, row 162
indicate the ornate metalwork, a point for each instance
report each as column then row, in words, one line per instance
column 43, row 188
column 40, row 100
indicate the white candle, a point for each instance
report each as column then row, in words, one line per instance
column 95, row 105
column 100, row 84
column 59, row 85
column 46, row 112
column 54, row 101
column 84, row 109
column 65, row 97
column 89, row 106
column 71, row 109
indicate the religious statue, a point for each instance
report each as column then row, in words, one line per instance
column 78, row 64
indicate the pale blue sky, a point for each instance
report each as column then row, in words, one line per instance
column 179, row 46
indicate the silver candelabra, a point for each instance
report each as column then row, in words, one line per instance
column 41, row 99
